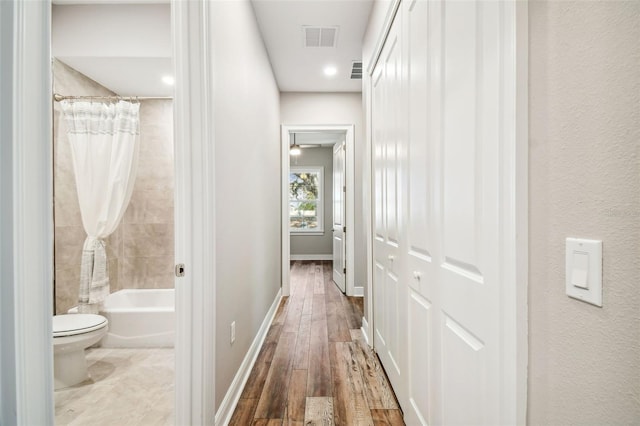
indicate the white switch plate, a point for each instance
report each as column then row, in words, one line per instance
column 583, row 274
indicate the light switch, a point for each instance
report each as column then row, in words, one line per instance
column 584, row 270
column 580, row 269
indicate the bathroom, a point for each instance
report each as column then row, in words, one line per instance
column 105, row 52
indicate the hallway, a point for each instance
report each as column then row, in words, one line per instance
column 314, row 366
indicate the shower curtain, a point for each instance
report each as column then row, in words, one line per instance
column 104, row 142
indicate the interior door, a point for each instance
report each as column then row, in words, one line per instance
column 339, row 228
column 390, row 289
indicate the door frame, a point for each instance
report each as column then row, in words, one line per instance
column 286, row 129
column 26, row 216
column 26, row 225
column 515, row 171
column 195, row 218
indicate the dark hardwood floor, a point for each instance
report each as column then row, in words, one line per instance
column 314, row 367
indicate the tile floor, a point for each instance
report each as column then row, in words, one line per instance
column 127, row 386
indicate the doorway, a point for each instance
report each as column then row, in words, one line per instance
column 86, row 83
column 26, row 309
column 325, row 220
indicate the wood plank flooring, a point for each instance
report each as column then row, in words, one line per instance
column 314, row 367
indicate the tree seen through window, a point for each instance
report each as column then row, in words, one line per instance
column 305, row 198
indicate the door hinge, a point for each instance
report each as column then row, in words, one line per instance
column 180, row 270
column 344, row 189
column 344, row 270
column 344, row 229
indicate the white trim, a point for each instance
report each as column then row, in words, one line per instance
column 366, row 331
column 350, row 211
column 285, row 244
column 26, row 220
column 319, row 201
column 230, row 401
column 194, row 213
column 519, row 211
column 350, row 199
column 368, row 188
column 358, row 291
column 311, row 257
column 382, row 37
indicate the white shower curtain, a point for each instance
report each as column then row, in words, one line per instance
column 104, row 142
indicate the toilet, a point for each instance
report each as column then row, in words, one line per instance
column 72, row 334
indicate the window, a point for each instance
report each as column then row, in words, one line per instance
column 305, row 199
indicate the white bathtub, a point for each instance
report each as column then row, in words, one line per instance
column 140, row 318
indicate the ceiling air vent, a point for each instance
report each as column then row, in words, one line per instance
column 356, row 70
column 319, row 36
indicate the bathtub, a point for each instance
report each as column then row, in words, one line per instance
column 140, row 318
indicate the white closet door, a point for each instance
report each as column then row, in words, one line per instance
column 389, row 145
column 443, row 184
column 421, row 244
column 468, row 180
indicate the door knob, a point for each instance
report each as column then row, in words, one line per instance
column 417, row 275
column 391, row 257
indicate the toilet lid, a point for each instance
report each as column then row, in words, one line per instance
column 71, row 324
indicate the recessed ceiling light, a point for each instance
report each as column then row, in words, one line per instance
column 330, row 70
column 168, row 80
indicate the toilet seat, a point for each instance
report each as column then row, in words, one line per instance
column 74, row 324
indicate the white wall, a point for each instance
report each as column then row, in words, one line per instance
column 335, row 108
column 122, row 30
column 584, row 361
column 7, row 310
column 320, row 243
column 247, row 151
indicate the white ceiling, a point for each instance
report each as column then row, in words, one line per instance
column 300, row 69
column 126, row 76
column 125, row 45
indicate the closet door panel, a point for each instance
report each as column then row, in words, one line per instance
column 419, row 169
column 420, row 360
column 393, row 322
column 421, row 251
column 469, row 281
column 462, row 146
column 379, row 311
column 389, row 143
column 378, row 157
column 393, row 140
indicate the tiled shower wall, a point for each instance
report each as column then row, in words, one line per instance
column 140, row 251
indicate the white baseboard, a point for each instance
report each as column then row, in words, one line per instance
column 365, row 330
column 358, row 291
column 228, row 405
column 311, row 257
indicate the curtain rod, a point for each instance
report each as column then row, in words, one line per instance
column 57, row 97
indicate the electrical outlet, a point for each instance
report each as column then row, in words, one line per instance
column 233, row 332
